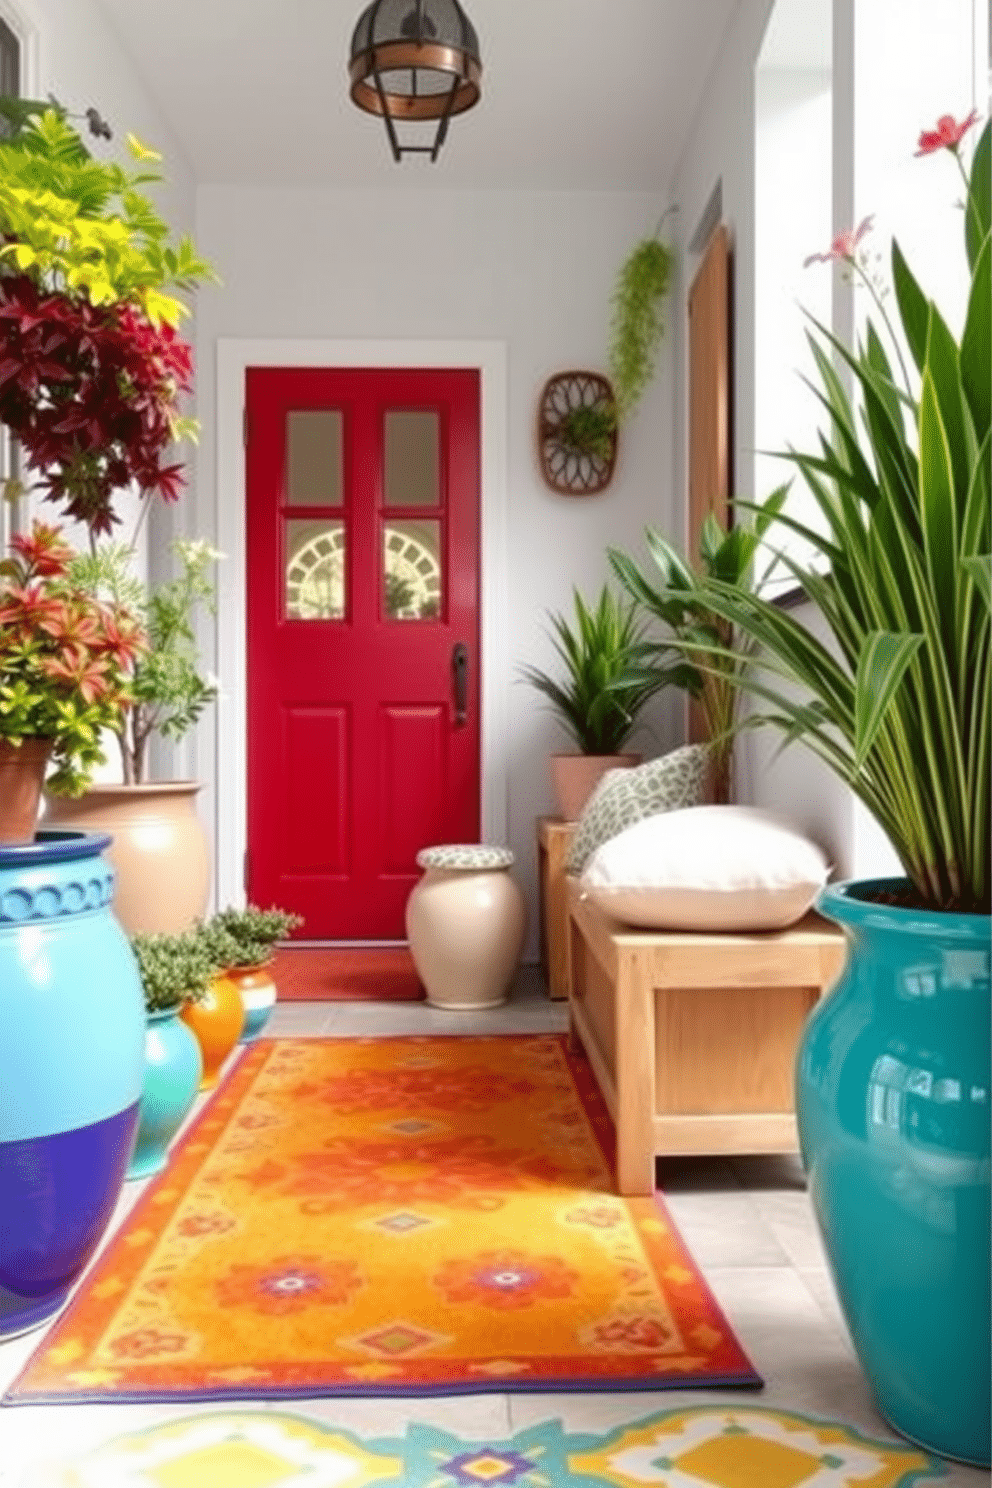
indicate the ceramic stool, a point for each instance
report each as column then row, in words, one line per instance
column 465, row 921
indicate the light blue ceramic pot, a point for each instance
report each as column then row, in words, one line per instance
column 72, row 1034
column 893, row 1106
column 173, row 1071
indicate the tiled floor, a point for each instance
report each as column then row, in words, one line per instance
column 747, row 1221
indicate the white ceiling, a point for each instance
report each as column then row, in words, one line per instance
column 577, row 94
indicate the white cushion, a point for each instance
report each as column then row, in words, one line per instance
column 717, row 868
column 624, row 797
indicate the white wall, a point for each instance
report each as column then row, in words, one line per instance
column 793, row 201
column 897, row 65
column 534, row 271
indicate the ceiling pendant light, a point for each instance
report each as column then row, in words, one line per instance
column 415, row 61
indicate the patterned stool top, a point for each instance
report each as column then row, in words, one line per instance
column 464, row 855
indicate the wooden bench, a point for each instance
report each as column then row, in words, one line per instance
column 692, row 1037
column 554, row 841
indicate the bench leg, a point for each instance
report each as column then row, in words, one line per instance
column 635, row 1046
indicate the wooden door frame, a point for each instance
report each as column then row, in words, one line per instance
column 234, row 356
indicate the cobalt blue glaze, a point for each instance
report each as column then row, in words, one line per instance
column 893, row 1106
column 59, row 1194
column 71, row 1065
column 173, row 1071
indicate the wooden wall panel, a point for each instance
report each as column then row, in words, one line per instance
column 710, row 333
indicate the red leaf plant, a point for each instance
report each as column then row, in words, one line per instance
column 90, row 391
column 66, row 658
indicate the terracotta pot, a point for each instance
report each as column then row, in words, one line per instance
column 22, row 772
column 217, row 1022
column 159, row 851
column 574, row 777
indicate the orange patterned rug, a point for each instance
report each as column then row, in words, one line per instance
column 396, row 1216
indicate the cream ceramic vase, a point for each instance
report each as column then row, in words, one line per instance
column 159, row 851
column 574, row 777
column 465, row 922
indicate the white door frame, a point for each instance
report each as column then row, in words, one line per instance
column 234, row 356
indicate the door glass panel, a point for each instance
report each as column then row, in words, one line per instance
column 411, row 463
column 412, row 576
column 315, row 570
column 313, row 457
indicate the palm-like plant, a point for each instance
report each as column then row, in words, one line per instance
column 605, row 684
column 702, row 653
column 899, row 707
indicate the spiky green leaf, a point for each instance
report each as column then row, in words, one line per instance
column 881, row 667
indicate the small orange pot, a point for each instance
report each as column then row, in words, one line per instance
column 217, row 1022
column 258, row 995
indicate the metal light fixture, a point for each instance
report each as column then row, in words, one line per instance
column 414, row 61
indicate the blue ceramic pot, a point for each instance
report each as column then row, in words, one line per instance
column 892, row 1101
column 71, row 1063
column 173, row 1071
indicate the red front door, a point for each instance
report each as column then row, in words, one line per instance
column 363, row 637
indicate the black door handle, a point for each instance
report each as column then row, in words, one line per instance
column 459, row 669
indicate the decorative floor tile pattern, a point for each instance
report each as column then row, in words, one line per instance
column 405, row 1216
column 707, row 1447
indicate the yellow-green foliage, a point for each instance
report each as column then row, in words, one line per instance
column 83, row 226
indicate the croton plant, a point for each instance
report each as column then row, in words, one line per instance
column 65, row 658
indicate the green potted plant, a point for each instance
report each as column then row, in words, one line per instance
column 174, row 970
column 163, row 876
column 673, row 595
column 599, row 695
column 67, row 663
column 91, row 293
column 242, row 942
column 588, row 428
column 893, row 1073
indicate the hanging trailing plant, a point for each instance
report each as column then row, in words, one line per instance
column 638, row 325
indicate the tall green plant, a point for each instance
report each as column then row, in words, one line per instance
column 675, row 595
column 169, row 690
column 900, row 705
column 604, row 685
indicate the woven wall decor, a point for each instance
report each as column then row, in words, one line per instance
column 576, row 433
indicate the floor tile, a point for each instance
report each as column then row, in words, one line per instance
column 475, row 1416
column 724, row 1229
column 819, row 1281
column 789, row 1216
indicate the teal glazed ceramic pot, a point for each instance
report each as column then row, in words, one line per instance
column 173, row 1071
column 893, row 1107
column 72, row 1037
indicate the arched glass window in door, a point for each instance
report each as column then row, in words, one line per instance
column 315, row 587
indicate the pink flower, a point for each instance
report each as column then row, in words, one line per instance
column 947, row 135
column 843, row 245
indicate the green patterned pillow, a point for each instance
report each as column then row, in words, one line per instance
column 624, row 797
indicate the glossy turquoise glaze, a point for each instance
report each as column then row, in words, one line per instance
column 72, row 1026
column 893, row 1105
column 173, row 1071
